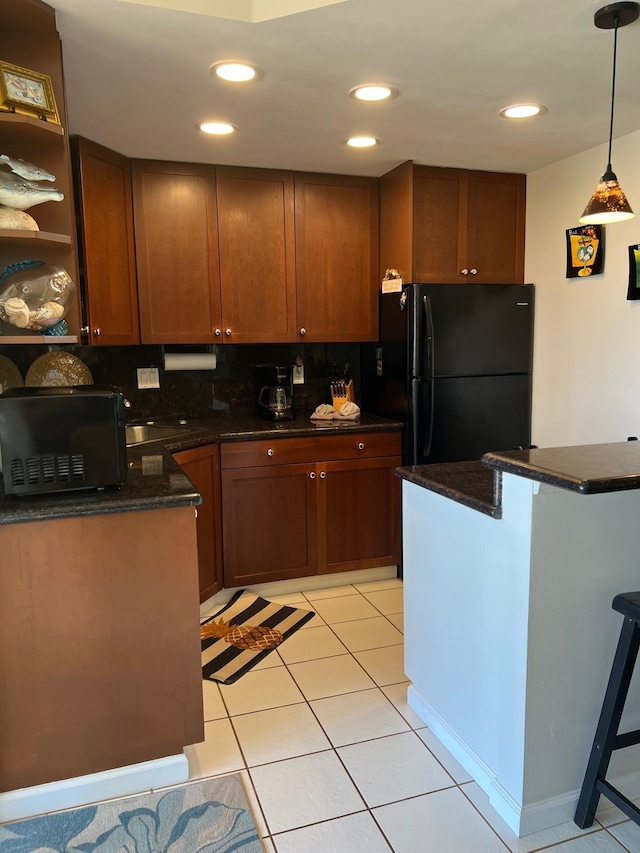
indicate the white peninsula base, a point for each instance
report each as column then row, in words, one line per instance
column 510, row 635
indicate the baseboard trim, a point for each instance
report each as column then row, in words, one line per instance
column 523, row 820
column 82, row 790
column 299, row 585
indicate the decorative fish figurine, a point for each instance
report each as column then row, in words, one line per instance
column 20, row 194
column 28, row 171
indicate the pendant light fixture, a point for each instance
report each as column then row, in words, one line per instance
column 608, row 203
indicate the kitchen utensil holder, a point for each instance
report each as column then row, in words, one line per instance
column 341, row 393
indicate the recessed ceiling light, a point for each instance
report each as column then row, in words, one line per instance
column 522, row 111
column 377, row 92
column 362, row 141
column 235, row 72
column 218, row 128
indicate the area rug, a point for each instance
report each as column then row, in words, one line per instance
column 212, row 816
column 244, row 632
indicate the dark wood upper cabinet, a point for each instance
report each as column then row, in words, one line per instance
column 104, row 202
column 496, row 227
column 336, row 219
column 257, row 262
column 453, row 226
column 177, row 252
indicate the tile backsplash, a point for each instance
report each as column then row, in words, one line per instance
column 197, row 393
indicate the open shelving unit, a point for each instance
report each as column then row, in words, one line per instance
column 30, row 39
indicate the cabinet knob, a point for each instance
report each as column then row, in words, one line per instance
column 323, row 474
column 465, row 271
column 227, row 332
column 473, row 271
column 361, row 445
column 269, row 452
column 218, row 332
column 312, row 475
column 97, row 332
column 303, row 331
column 84, row 330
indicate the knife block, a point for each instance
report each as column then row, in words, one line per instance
column 341, row 394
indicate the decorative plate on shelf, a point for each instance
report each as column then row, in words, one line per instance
column 55, row 369
column 10, row 376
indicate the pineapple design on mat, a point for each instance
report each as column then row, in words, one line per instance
column 256, row 637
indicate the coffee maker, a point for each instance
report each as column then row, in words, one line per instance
column 275, row 391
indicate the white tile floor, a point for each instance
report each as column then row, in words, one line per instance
column 336, row 762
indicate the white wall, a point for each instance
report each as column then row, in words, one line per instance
column 586, row 374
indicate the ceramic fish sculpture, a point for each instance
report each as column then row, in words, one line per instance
column 20, row 194
column 28, row 171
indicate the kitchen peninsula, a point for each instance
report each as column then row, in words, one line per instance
column 510, row 567
column 100, row 661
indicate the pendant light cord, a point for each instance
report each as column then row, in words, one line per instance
column 613, row 89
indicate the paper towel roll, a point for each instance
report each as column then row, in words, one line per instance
column 189, row 361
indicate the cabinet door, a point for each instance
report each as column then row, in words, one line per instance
column 202, row 467
column 359, row 509
column 257, row 269
column 177, row 252
column 496, row 227
column 439, row 225
column 269, row 521
column 103, row 187
column 336, row 257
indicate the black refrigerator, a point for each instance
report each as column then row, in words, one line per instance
column 454, row 363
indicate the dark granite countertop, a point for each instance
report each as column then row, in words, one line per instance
column 468, row 483
column 588, row 468
column 156, row 481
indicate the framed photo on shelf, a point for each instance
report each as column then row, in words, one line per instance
column 585, row 251
column 27, row 92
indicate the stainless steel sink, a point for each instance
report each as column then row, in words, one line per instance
column 143, row 433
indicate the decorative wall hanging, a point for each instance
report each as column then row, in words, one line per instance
column 633, row 291
column 27, row 92
column 585, row 251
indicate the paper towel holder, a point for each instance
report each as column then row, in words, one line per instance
column 203, row 358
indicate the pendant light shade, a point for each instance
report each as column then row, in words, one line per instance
column 608, row 203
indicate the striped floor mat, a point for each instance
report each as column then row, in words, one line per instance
column 243, row 633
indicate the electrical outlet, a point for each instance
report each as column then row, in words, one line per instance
column 298, row 374
column 148, row 377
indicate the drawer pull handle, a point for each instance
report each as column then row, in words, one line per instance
column 361, row 445
column 323, row 474
column 269, row 452
column 312, row 475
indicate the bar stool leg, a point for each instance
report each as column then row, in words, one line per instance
column 607, row 729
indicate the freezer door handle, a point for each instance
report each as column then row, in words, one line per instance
column 421, row 421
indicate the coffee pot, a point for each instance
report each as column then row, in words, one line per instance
column 275, row 395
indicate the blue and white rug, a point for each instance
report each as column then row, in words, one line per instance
column 212, row 816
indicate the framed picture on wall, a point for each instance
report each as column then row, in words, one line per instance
column 585, row 251
column 633, row 291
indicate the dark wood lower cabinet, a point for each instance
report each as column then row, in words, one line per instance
column 360, row 501
column 338, row 511
column 269, row 524
column 202, row 467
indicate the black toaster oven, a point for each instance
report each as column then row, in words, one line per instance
column 59, row 439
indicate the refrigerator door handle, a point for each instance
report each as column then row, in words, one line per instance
column 430, row 372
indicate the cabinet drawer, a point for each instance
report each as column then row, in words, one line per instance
column 279, row 451
column 358, row 445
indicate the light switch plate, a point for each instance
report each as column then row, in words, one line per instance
column 148, row 377
column 298, row 374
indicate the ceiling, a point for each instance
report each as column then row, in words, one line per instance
column 137, row 80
